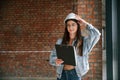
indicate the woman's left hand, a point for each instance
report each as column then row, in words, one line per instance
column 83, row 25
column 81, row 21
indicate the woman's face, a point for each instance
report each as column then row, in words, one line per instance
column 72, row 27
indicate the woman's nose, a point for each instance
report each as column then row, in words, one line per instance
column 71, row 26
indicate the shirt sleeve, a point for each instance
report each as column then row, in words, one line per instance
column 92, row 38
column 53, row 55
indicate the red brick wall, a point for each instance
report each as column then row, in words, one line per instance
column 29, row 30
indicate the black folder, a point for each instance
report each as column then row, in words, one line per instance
column 67, row 54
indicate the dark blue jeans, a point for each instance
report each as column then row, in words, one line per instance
column 69, row 75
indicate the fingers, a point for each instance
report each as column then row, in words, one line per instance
column 80, row 20
column 59, row 61
column 77, row 17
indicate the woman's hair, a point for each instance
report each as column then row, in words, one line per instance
column 79, row 40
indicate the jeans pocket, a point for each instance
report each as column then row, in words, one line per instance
column 74, row 75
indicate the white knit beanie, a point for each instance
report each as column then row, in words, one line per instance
column 70, row 16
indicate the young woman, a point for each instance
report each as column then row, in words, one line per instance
column 84, row 44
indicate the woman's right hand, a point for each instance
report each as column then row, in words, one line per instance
column 59, row 61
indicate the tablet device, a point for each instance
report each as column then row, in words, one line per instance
column 67, row 54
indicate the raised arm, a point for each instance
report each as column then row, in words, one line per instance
column 93, row 36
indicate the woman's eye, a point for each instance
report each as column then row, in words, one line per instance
column 73, row 24
column 68, row 26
